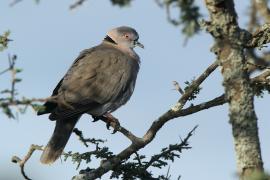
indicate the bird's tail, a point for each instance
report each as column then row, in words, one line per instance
column 59, row 139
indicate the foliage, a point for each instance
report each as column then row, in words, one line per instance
column 138, row 166
column 4, row 40
column 195, row 92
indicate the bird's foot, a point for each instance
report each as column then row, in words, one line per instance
column 113, row 122
column 110, row 120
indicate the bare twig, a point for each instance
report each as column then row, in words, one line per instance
column 160, row 4
column 76, row 4
column 168, row 176
column 177, row 87
column 11, row 61
column 168, row 14
column 21, row 162
column 14, row 2
column 4, row 71
column 138, row 158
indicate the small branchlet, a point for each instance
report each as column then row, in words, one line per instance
column 98, row 153
column 76, row 4
column 177, row 87
column 15, row 2
column 87, row 140
column 138, row 167
column 9, row 96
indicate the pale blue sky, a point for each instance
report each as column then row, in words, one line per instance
column 48, row 37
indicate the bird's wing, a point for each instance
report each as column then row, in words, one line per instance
column 99, row 76
column 49, row 106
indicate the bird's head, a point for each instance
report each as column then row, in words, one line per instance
column 124, row 36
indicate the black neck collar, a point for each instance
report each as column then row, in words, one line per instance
column 108, row 39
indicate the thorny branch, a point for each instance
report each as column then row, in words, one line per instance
column 87, row 140
column 176, row 147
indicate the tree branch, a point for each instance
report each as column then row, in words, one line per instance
column 138, row 143
column 87, row 140
column 21, row 162
column 229, row 46
column 176, row 147
column 14, row 2
column 260, row 37
column 76, row 4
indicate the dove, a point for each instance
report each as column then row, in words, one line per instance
column 100, row 80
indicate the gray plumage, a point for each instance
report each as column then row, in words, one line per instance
column 99, row 81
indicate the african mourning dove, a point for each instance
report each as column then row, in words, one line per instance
column 99, row 81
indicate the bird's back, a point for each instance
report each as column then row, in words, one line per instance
column 101, row 79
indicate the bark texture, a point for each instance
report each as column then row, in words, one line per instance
column 229, row 46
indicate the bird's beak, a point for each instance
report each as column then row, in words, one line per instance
column 137, row 43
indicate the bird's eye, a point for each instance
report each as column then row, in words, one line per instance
column 126, row 36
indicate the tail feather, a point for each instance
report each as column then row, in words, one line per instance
column 59, row 139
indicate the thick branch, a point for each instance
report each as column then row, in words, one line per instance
column 230, row 40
